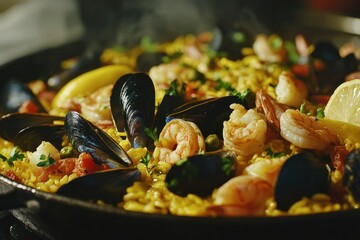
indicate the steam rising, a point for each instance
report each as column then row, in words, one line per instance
column 162, row 20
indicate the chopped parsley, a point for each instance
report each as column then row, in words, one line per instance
column 146, row 159
column 227, row 165
column 147, row 44
column 15, row 155
column 320, row 113
column 152, row 133
column 272, row 154
column 46, row 161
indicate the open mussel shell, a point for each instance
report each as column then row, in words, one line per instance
column 28, row 139
column 302, row 175
column 11, row 124
column 88, row 61
column 13, row 94
column 324, row 80
column 209, row 114
column 108, row 186
column 133, row 105
column 351, row 179
column 201, row 174
column 86, row 137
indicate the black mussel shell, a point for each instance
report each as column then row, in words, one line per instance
column 28, row 139
column 326, row 79
column 209, row 114
column 86, row 137
column 133, row 105
column 11, row 124
column 13, row 94
column 108, row 186
column 147, row 60
column 89, row 61
column 351, row 179
column 201, row 174
column 172, row 99
column 302, row 175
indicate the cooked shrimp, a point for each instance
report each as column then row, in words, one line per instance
column 242, row 195
column 245, row 132
column 266, row 169
column 270, row 107
column 96, row 106
column 177, row 140
column 264, row 51
column 290, row 91
column 303, row 131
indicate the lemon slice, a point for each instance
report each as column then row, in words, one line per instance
column 343, row 129
column 344, row 103
column 342, row 112
column 90, row 81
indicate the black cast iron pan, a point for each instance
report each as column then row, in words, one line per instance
column 55, row 217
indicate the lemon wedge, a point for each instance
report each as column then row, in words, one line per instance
column 90, row 81
column 344, row 103
column 343, row 129
column 342, row 112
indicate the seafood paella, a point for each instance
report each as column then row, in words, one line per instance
column 189, row 127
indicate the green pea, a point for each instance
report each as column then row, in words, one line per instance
column 212, row 142
column 66, row 152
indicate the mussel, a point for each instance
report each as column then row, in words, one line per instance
column 201, row 174
column 333, row 69
column 208, row 114
column 86, row 137
column 13, row 94
column 88, row 61
column 28, row 130
column 302, row 175
column 108, row 186
column 133, row 105
column 351, row 179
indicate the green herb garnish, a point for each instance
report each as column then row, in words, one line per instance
column 146, row 159
column 152, row 133
column 46, row 161
column 320, row 113
column 15, row 155
column 227, row 165
column 272, row 154
column 147, row 44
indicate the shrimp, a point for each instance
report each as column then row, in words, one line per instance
column 264, row 51
column 270, row 107
column 242, row 195
column 245, row 132
column 290, row 91
column 303, row 131
column 96, row 106
column 177, row 140
column 268, row 169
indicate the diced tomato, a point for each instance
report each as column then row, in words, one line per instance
column 85, row 165
column 28, row 107
column 42, row 173
column 12, row 175
column 66, row 166
column 338, row 154
column 301, row 70
column 319, row 99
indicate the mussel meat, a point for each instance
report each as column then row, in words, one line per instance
column 133, row 105
column 86, row 137
column 13, row 94
column 107, row 185
column 302, row 175
column 201, row 174
column 351, row 178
